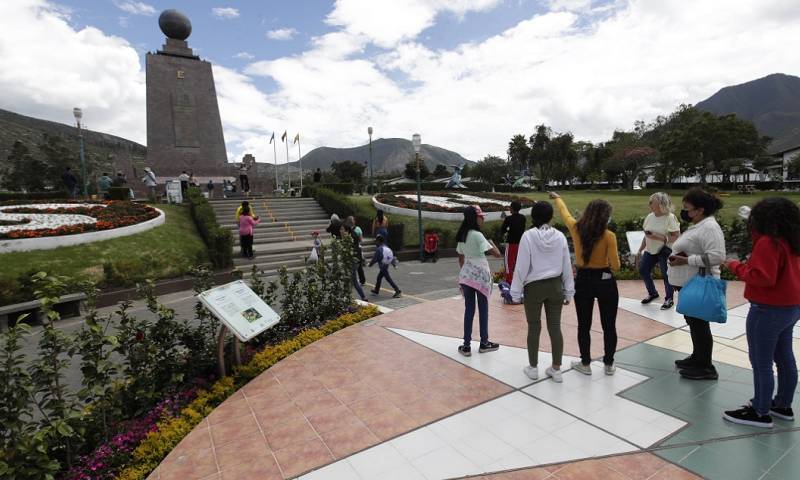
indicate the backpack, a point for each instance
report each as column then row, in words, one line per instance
column 388, row 256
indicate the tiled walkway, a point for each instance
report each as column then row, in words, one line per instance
column 391, row 398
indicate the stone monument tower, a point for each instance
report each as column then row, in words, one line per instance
column 184, row 131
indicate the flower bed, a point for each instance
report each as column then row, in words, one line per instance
column 49, row 219
column 450, row 202
column 173, row 428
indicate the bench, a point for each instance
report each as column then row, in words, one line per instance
column 67, row 305
column 746, row 189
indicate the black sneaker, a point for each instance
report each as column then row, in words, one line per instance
column 375, row 292
column 397, row 294
column 649, row 299
column 784, row 413
column 488, row 347
column 748, row 416
column 668, row 303
column 687, row 362
column 465, row 350
column 699, row 373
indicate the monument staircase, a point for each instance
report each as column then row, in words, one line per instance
column 283, row 238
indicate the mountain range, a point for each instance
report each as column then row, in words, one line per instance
column 772, row 103
column 388, row 155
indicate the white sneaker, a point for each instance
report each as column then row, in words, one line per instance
column 531, row 372
column 610, row 369
column 580, row 367
column 554, row 374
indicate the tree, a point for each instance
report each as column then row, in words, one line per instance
column 440, row 171
column 630, row 156
column 553, row 154
column 23, row 172
column 491, row 169
column 519, row 153
column 57, row 157
column 411, row 170
column 348, row 171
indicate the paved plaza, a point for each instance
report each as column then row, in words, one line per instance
column 391, row 398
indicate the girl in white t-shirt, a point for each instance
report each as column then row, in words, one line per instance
column 661, row 229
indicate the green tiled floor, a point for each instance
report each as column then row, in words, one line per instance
column 716, row 449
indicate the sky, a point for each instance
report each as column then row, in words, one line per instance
column 465, row 74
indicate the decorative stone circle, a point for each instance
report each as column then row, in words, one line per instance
column 448, row 205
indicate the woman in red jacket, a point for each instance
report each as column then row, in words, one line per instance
column 772, row 284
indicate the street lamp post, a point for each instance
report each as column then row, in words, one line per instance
column 416, row 140
column 369, row 132
column 78, row 113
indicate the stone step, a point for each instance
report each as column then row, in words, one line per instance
column 272, row 227
column 259, row 238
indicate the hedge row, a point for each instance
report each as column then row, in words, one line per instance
column 218, row 240
column 333, row 202
column 5, row 196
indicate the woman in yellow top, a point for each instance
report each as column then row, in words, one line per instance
column 596, row 257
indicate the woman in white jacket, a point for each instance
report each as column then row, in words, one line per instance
column 543, row 276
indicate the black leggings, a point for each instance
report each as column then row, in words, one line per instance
column 702, row 340
column 590, row 285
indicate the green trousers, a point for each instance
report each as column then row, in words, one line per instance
column 550, row 293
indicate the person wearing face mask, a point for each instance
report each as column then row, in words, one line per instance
column 701, row 246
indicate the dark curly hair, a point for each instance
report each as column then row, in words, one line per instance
column 777, row 217
column 592, row 225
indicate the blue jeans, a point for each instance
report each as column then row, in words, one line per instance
column 646, row 265
column 470, row 295
column 769, row 338
column 354, row 278
column 384, row 273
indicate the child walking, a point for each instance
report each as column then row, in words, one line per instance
column 475, row 278
column 384, row 257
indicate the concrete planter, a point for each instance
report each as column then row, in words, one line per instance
column 447, row 216
column 49, row 243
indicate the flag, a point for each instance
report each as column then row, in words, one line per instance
column 283, row 137
column 297, row 138
column 272, row 138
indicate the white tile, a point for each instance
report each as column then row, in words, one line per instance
column 446, row 462
column 340, row 470
column 517, row 402
column 518, row 431
column 403, row 472
column 652, row 311
column 551, row 449
column 375, row 460
column 417, row 443
column 489, row 444
column 512, row 461
column 646, row 438
column 594, row 441
column 455, row 427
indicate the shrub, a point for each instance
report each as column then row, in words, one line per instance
column 219, row 241
column 119, row 193
column 5, row 196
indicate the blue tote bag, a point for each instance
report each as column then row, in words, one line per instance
column 703, row 297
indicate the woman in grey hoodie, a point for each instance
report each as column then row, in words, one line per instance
column 543, row 276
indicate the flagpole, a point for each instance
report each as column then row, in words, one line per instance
column 300, row 160
column 275, row 158
column 288, row 171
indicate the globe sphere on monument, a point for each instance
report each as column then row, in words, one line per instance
column 175, row 25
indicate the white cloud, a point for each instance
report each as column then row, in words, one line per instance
column 281, row 34
column 244, row 55
column 135, row 8
column 61, row 67
column 225, row 12
column 387, row 22
column 569, row 68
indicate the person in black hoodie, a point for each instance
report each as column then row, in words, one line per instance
column 512, row 229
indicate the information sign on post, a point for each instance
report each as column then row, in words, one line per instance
column 174, row 192
column 239, row 309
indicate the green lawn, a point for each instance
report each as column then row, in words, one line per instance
column 626, row 205
column 165, row 251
